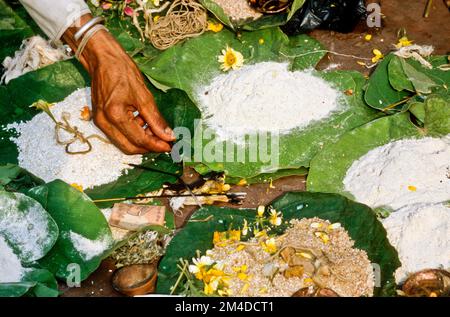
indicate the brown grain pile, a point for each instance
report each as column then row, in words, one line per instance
column 349, row 271
column 238, row 10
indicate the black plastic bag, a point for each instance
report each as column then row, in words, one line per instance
column 337, row 15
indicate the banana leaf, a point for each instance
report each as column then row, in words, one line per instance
column 329, row 167
column 36, row 283
column 265, row 21
column 358, row 219
column 194, row 63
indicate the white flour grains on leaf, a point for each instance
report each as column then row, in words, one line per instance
column 11, row 270
column 421, row 235
column 40, row 154
column 401, row 173
column 87, row 248
column 24, row 223
column 265, row 97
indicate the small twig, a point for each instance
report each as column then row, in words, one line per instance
column 426, row 13
column 398, row 103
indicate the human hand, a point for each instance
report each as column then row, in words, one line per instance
column 118, row 93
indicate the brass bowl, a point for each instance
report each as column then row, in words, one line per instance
column 136, row 279
column 270, row 6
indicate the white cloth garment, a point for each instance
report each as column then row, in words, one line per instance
column 55, row 16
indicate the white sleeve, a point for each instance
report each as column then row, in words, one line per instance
column 55, row 16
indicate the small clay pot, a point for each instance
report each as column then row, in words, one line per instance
column 315, row 292
column 136, row 279
column 430, row 282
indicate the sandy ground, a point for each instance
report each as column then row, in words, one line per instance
column 397, row 14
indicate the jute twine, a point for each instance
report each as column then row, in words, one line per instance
column 183, row 19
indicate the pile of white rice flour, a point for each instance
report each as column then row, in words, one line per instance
column 11, row 270
column 41, row 155
column 265, row 97
column 412, row 178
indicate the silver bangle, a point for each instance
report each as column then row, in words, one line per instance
column 87, row 26
column 89, row 34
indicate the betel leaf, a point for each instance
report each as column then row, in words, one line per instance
column 359, row 220
column 379, row 93
column 194, row 64
column 329, row 168
column 15, row 179
column 35, row 283
column 84, row 236
column 397, row 77
column 265, row 21
column 422, row 83
column 26, row 226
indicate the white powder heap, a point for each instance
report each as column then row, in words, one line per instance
column 41, row 155
column 23, row 221
column 264, row 97
column 401, row 173
column 87, row 248
column 11, row 269
column 420, row 233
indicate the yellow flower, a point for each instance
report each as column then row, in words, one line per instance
column 275, row 217
column 261, row 41
column 215, row 27
column 230, row 59
column 77, row 186
column 245, row 228
column 156, row 18
column 323, row 236
column 234, row 235
column 368, row 37
column 269, row 246
column 403, row 42
column 377, row 55
column 225, row 292
column 260, row 233
column 412, row 188
column 220, row 238
column 260, row 211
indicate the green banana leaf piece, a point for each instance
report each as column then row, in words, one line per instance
column 15, row 179
column 36, row 283
column 265, row 21
column 194, row 63
column 329, row 167
column 75, row 214
column 359, row 220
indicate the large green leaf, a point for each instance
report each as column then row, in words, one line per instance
column 194, row 63
column 265, row 21
column 36, row 282
column 329, row 167
column 75, row 214
column 14, row 178
column 359, row 220
column 26, row 226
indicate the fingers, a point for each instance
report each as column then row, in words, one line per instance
column 150, row 113
column 130, row 127
column 116, row 137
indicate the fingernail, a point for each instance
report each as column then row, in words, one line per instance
column 169, row 131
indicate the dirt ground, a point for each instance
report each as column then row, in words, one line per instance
column 397, row 14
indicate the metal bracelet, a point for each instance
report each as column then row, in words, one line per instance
column 89, row 34
column 87, row 26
